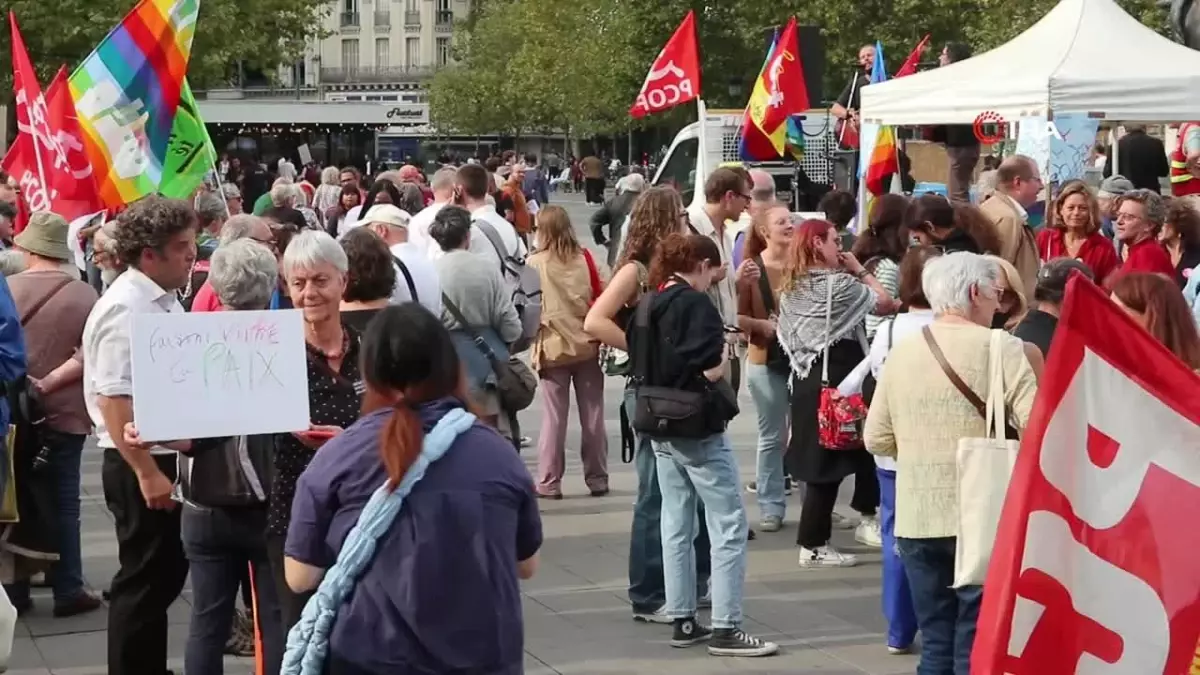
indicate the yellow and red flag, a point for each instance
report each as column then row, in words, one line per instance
column 779, row 92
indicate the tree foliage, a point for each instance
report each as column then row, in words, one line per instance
column 264, row 34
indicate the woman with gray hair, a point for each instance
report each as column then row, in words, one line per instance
column 224, row 514
column 326, row 196
column 315, row 267
column 929, row 395
column 241, row 226
column 243, row 275
column 1140, row 216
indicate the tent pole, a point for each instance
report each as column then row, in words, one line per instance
column 1046, row 179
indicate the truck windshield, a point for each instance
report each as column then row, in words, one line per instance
column 679, row 168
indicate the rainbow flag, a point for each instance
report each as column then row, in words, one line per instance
column 126, row 93
column 883, row 162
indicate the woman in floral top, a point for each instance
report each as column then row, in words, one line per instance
column 315, row 267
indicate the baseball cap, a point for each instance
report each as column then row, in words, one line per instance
column 387, row 214
column 1115, row 186
column 1052, row 278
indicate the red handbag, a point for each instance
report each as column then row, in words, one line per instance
column 840, row 419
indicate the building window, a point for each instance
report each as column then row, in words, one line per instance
column 442, row 5
column 350, row 6
column 350, row 54
column 381, row 53
column 443, row 51
column 412, row 52
column 412, row 6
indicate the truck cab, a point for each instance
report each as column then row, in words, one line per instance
column 678, row 168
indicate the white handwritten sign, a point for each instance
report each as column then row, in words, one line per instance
column 219, row 374
column 1059, row 147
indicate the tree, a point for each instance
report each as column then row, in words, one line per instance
column 264, row 34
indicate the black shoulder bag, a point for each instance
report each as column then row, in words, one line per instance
column 412, row 288
column 515, row 382
column 777, row 360
column 667, row 412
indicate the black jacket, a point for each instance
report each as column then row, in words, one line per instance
column 1143, row 160
column 227, row 472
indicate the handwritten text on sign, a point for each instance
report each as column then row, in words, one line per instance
column 219, row 374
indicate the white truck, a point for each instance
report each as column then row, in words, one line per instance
column 684, row 159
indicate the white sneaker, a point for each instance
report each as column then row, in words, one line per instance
column 825, row 556
column 841, row 522
column 868, row 533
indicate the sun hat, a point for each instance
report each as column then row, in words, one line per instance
column 45, row 235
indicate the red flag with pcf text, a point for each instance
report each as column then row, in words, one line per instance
column 46, row 158
column 1094, row 567
column 674, row 77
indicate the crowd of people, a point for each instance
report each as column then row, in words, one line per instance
column 419, row 293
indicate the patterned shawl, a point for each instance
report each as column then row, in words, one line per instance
column 803, row 332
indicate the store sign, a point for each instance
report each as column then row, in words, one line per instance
column 406, row 114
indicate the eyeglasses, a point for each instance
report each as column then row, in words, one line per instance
column 269, row 243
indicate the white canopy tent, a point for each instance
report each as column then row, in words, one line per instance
column 1084, row 56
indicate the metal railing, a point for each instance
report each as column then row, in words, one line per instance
column 303, row 93
column 374, row 74
column 383, row 18
column 349, row 19
column 444, row 18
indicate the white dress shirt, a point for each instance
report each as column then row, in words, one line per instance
column 722, row 292
column 424, row 278
column 418, row 228
column 107, row 364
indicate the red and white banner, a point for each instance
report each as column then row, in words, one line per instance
column 674, row 77
column 1094, row 570
column 47, row 157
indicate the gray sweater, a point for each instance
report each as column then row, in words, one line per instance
column 476, row 287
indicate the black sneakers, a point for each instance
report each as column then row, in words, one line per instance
column 689, row 632
column 734, row 642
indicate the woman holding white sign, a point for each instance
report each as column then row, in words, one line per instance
column 315, row 267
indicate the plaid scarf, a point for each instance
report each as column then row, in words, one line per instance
column 805, row 329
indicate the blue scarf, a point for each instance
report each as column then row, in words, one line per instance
column 308, row 641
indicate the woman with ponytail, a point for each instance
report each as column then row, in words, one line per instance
column 426, row 508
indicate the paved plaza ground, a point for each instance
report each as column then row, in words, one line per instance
column 577, row 616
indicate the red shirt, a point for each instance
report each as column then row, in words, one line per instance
column 1097, row 252
column 1148, row 256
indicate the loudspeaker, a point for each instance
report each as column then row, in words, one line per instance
column 812, row 56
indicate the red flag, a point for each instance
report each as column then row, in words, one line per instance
column 914, row 58
column 1094, row 566
column 779, row 93
column 674, row 77
column 46, row 157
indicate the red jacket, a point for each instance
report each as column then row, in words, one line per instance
column 1097, row 252
column 1148, row 256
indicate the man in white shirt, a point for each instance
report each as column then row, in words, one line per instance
column 415, row 274
column 726, row 195
column 442, row 185
column 472, row 186
column 156, row 238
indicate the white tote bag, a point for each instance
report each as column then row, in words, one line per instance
column 984, row 468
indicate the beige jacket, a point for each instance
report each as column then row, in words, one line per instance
column 1017, row 242
column 566, row 297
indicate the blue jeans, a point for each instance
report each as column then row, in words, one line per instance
column 897, row 598
column 647, row 590
column 769, row 389
column 691, row 472
column 66, row 575
column 945, row 615
column 219, row 543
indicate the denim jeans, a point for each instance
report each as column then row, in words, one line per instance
column 219, row 543
column 897, row 597
column 945, row 615
column 769, row 389
column 693, row 471
column 66, row 575
column 647, row 590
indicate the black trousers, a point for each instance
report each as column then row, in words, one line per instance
column 593, row 190
column 152, row 573
column 291, row 604
column 816, row 515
